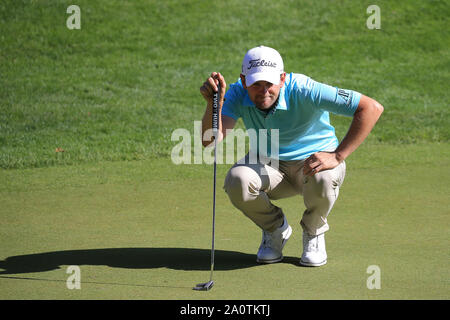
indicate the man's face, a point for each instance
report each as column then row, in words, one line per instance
column 262, row 93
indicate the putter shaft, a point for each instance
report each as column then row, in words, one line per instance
column 215, row 126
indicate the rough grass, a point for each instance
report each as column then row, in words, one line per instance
column 117, row 88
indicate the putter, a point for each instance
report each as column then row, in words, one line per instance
column 215, row 127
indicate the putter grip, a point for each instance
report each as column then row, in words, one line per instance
column 215, row 111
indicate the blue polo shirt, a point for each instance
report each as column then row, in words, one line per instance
column 301, row 117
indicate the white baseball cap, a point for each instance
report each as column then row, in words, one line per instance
column 262, row 64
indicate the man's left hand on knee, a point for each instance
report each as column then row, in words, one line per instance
column 320, row 161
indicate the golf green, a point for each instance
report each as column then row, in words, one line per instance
column 142, row 230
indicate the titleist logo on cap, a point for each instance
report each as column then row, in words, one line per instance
column 261, row 63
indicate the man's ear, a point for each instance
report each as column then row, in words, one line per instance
column 243, row 81
column 282, row 79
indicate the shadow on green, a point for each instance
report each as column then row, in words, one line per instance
column 188, row 259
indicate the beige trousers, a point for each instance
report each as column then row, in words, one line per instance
column 250, row 188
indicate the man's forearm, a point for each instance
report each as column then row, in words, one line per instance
column 364, row 119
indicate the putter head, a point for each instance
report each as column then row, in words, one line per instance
column 204, row 286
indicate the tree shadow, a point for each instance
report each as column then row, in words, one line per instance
column 131, row 258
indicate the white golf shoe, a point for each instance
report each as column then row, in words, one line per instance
column 272, row 244
column 314, row 253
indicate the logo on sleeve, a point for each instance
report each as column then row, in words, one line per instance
column 344, row 94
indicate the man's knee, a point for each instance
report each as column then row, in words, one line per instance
column 326, row 183
column 242, row 182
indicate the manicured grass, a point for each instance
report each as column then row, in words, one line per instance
column 141, row 230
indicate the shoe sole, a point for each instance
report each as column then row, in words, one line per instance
column 309, row 264
column 282, row 246
column 269, row 261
